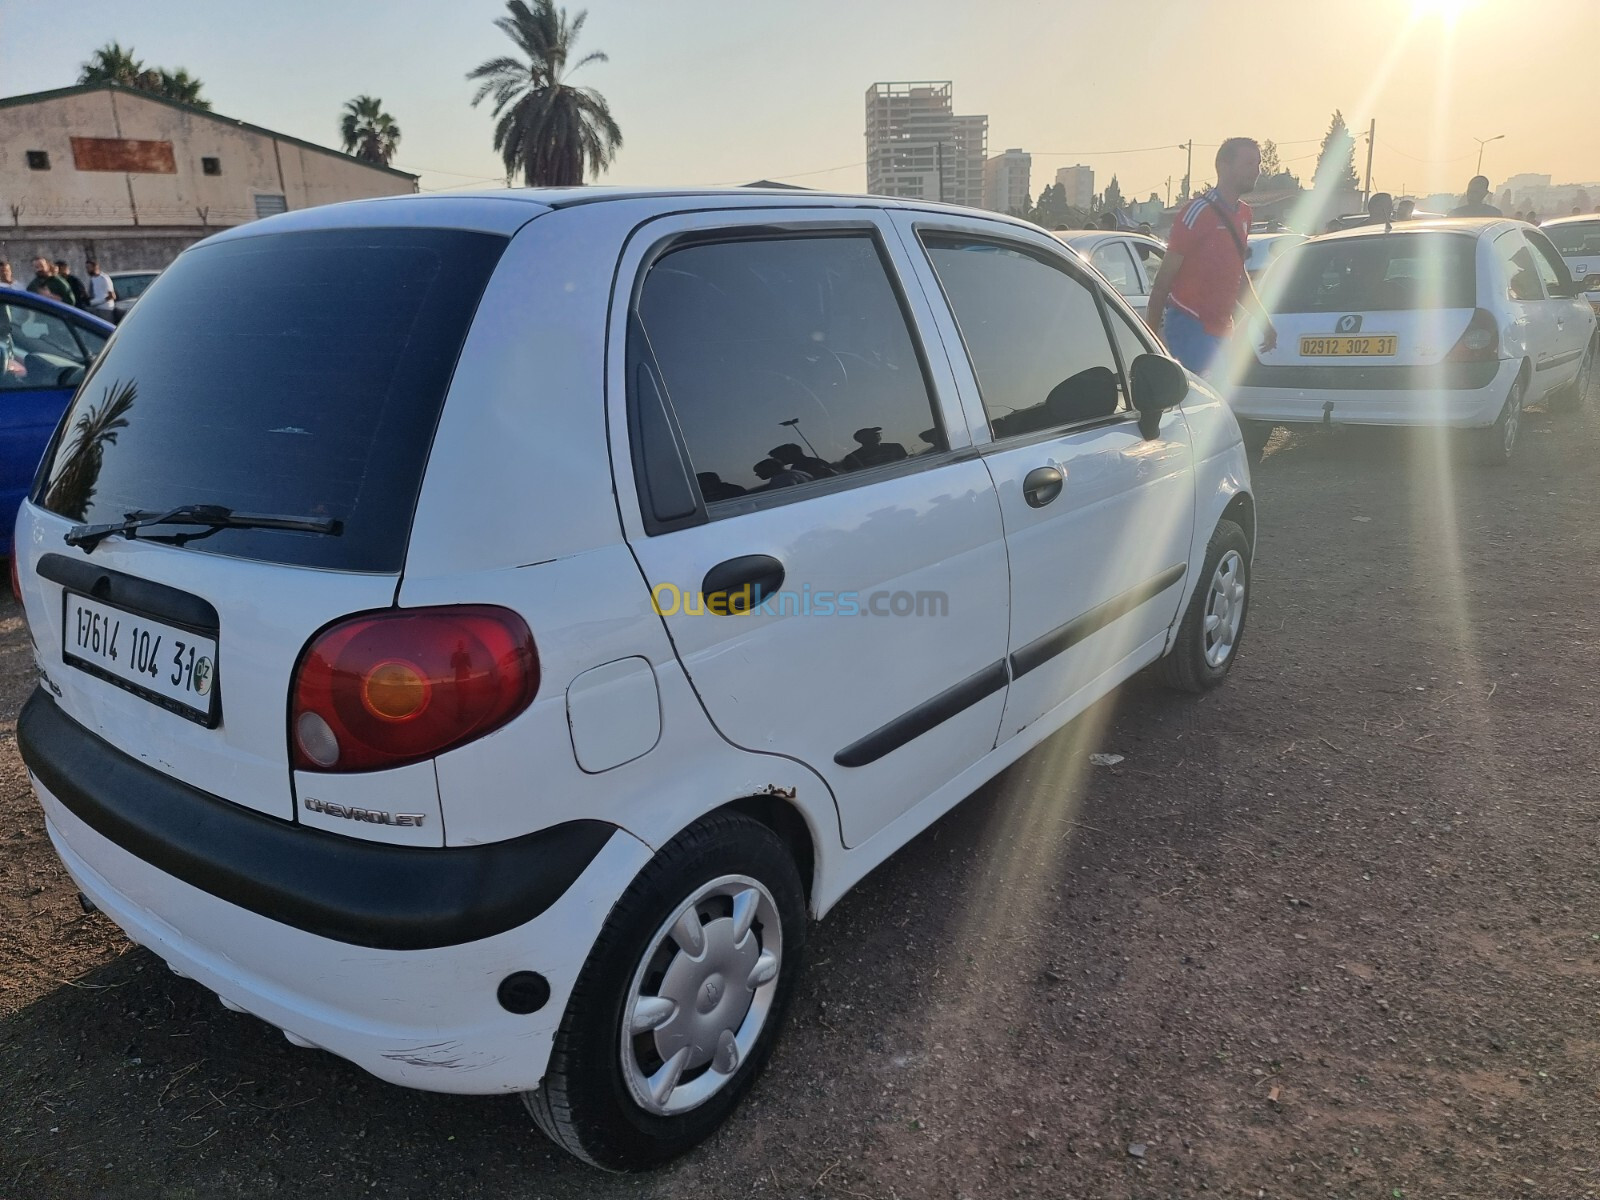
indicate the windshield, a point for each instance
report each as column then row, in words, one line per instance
column 299, row 374
column 1579, row 238
column 1387, row 272
column 130, row 287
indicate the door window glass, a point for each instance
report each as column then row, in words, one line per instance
column 1552, row 271
column 1034, row 334
column 786, row 361
column 1114, row 262
column 1519, row 266
column 38, row 350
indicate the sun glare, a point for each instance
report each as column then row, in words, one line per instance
column 1445, row 10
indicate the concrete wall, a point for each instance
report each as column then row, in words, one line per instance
column 253, row 162
column 116, row 248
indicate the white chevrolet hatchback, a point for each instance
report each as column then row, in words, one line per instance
column 1456, row 323
column 476, row 633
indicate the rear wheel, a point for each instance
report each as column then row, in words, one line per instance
column 1497, row 443
column 1576, row 394
column 678, row 1007
column 1213, row 624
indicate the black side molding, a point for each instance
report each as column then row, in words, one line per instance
column 911, row 725
column 1058, row 641
column 353, row 891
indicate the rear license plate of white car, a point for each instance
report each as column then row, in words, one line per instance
column 1365, row 345
column 166, row 664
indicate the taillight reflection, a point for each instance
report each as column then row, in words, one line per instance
column 397, row 687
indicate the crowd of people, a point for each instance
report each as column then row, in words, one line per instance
column 97, row 294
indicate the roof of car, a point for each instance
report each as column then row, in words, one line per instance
column 1579, row 219
column 1473, row 226
column 504, row 210
column 1084, row 237
column 46, row 304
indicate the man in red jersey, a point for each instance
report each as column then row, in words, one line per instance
column 1202, row 279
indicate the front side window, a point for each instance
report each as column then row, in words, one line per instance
column 1557, row 279
column 787, row 361
column 38, row 350
column 1034, row 334
column 1114, row 262
column 1519, row 266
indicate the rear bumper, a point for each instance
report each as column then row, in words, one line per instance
column 427, row 1016
column 1466, row 395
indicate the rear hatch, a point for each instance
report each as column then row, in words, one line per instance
column 298, row 374
column 1399, row 299
column 1578, row 243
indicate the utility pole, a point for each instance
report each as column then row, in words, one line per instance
column 1188, row 170
column 1372, row 137
column 1169, row 191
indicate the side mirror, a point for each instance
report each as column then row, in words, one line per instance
column 1157, row 383
column 1591, row 283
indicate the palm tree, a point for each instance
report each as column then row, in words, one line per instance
column 113, row 64
column 96, row 429
column 368, row 132
column 550, row 132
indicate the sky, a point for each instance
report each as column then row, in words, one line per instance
column 719, row 92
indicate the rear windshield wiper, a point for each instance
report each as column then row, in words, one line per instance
column 209, row 517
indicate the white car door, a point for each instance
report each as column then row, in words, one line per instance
column 1570, row 313
column 1098, row 519
column 788, row 444
column 1533, row 321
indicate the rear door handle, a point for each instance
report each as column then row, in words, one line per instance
column 1042, row 485
column 739, row 584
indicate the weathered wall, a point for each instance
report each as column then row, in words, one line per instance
column 116, row 248
column 252, row 163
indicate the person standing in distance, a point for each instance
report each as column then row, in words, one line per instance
column 1202, row 279
column 1477, row 204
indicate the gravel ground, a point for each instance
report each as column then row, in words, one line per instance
column 1329, row 932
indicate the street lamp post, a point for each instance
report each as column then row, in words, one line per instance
column 794, row 423
column 1482, row 142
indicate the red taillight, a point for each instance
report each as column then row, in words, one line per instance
column 398, row 687
column 1481, row 341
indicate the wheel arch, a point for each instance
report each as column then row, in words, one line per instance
column 777, row 811
column 1241, row 510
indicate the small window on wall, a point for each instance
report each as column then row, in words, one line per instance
column 269, row 206
column 38, row 160
column 211, row 166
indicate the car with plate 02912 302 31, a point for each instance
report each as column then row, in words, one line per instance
column 450, row 699
column 1457, row 323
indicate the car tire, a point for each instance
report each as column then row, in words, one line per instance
column 1213, row 625
column 1573, row 397
column 613, row 1100
column 1256, row 436
column 1498, row 442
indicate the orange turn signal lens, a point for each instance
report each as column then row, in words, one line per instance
column 394, row 691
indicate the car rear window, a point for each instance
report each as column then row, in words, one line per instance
column 1384, row 273
column 1575, row 239
column 295, row 374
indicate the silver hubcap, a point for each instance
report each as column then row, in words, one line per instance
column 701, row 995
column 1224, row 609
column 1513, row 419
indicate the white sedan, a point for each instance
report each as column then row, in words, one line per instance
column 1456, row 323
column 1129, row 261
column 1577, row 240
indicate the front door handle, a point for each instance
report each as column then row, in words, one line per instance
column 739, row 584
column 1042, row 485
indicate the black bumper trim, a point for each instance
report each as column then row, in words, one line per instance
column 345, row 889
column 1446, row 377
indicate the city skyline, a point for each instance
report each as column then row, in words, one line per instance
column 1433, row 83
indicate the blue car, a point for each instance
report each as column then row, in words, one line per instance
column 45, row 350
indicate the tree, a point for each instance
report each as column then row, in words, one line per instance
column 1582, row 202
column 1113, row 197
column 1052, row 209
column 1336, row 163
column 1270, row 165
column 367, row 131
column 550, row 132
column 114, row 64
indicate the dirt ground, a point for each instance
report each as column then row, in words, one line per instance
column 1330, row 932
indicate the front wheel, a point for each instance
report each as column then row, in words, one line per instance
column 1213, row 624
column 679, row 1005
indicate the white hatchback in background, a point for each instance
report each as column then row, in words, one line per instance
column 491, row 686
column 1457, row 323
column 1129, row 261
column 1577, row 240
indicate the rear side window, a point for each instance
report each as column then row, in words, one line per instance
column 1576, row 240
column 1114, row 262
column 1034, row 334
column 786, row 362
column 1517, row 259
column 294, row 374
column 1387, row 273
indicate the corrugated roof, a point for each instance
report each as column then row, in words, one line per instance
column 135, row 93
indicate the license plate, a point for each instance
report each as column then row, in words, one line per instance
column 1365, row 345
column 166, row 664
